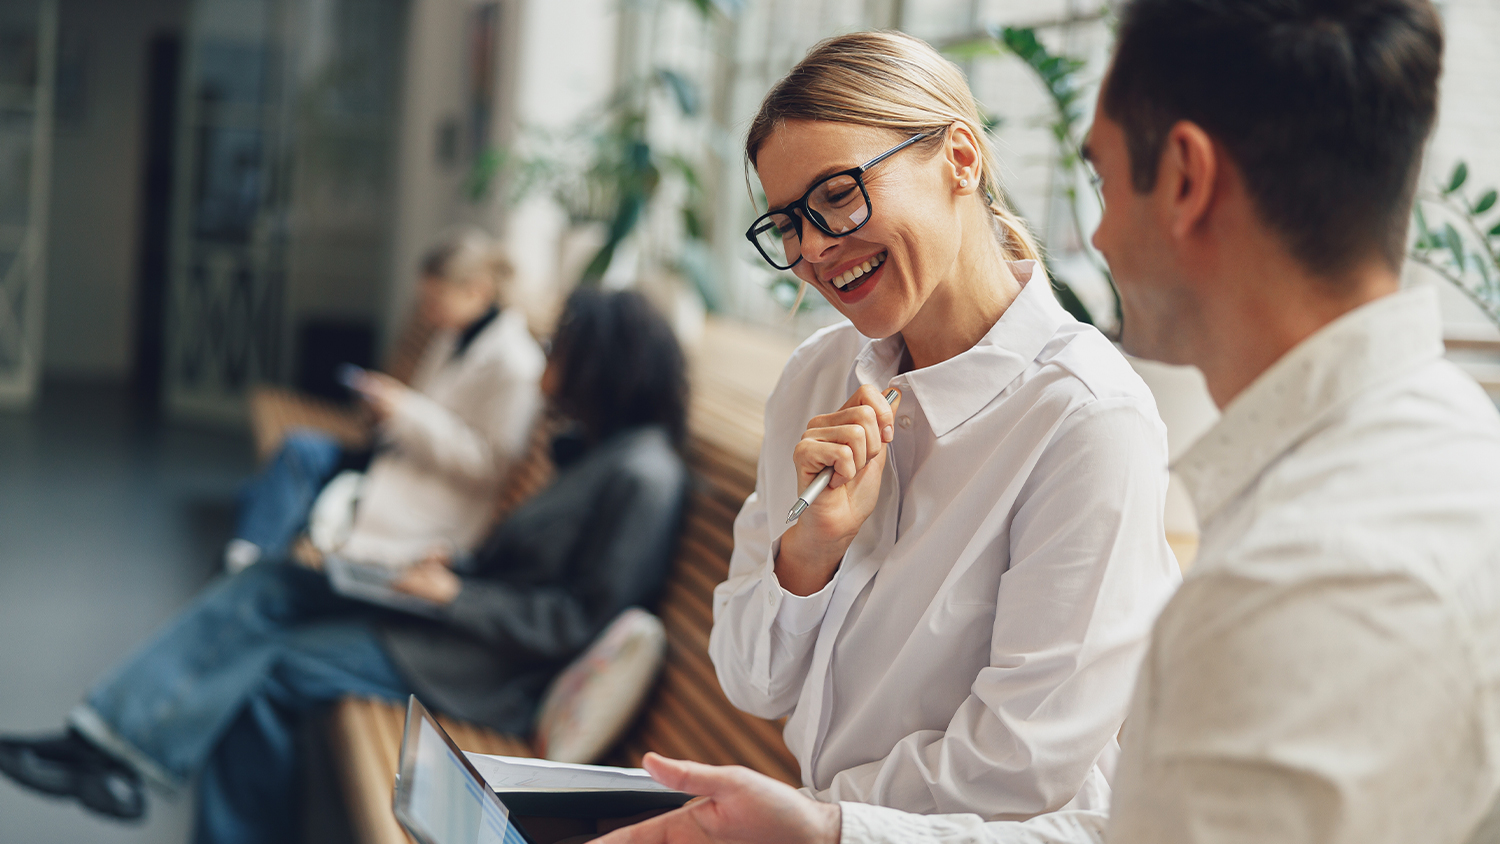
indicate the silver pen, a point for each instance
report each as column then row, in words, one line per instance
column 820, row 482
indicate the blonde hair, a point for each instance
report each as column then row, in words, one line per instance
column 468, row 253
column 890, row 80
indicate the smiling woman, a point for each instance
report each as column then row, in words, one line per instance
column 955, row 623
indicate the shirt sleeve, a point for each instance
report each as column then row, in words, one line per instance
column 478, row 452
column 763, row 636
column 866, row 824
column 1304, row 709
column 621, row 560
column 1089, row 570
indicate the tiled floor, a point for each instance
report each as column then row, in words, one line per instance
column 108, row 523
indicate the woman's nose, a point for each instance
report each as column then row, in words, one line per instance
column 816, row 245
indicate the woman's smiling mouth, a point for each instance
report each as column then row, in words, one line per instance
column 856, row 282
column 846, row 281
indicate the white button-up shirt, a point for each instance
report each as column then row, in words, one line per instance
column 976, row 648
column 1330, row 670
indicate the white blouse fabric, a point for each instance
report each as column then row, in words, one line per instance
column 976, row 649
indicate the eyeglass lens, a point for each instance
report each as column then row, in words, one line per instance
column 837, row 206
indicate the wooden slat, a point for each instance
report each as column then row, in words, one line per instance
column 367, row 771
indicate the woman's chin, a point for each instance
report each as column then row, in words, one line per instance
column 875, row 323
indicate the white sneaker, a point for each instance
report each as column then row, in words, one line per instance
column 239, row 555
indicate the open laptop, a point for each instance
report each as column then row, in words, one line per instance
column 372, row 584
column 440, row 798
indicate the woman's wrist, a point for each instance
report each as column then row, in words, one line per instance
column 804, row 566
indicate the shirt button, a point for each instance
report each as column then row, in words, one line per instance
column 906, row 421
column 771, row 598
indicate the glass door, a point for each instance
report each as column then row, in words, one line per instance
column 28, row 50
column 283, row 188
column 228, row 253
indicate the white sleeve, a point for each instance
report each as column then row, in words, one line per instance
column 478, row 453
column 1089, row 570
column 866, row 824
column 763, row 635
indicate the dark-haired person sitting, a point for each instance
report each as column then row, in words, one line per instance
column 217, row 693
column 1329, row 672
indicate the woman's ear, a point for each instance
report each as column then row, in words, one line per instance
column 965, row 160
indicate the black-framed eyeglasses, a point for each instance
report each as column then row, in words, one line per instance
column 839, row 205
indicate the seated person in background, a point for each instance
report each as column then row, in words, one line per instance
column 219, row 690
column 444, row 445
column 1329, row 672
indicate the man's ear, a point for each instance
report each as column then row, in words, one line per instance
column 1189, row 172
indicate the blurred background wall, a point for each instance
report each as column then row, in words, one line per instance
column 196, row 195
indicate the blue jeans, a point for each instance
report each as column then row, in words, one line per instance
column 219, row 692
column 274, row 505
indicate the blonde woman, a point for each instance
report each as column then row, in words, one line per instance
column 955, row 624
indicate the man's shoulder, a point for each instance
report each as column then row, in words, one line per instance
column 1404, row 480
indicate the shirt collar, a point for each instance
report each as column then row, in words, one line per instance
column 466, row 337
column 951, row 392
column 1373, row 344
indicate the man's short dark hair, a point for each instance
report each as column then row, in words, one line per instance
column 1324, row 106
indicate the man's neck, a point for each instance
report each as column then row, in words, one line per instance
column 1271, row 307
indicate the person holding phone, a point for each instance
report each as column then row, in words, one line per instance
column 955, row 623
column 444, row 444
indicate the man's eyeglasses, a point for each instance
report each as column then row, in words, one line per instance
column 838, row 205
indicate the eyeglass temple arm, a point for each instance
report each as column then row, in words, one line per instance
column 897, row 148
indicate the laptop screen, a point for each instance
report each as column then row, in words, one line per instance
column 441, row 800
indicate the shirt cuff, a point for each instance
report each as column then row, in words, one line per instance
column 795, row 614
column 866, row 824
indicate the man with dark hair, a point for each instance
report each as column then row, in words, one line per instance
column 1330, row 669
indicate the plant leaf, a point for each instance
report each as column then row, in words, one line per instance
column 1486, row 202
column 1495, row 232
column 1070, row 301
column 1460, row 175
column 1455, row 245
column 683, row 90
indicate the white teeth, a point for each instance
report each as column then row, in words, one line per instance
column 854, row 272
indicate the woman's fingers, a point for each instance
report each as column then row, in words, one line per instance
column 884, row 421
column 812, row 455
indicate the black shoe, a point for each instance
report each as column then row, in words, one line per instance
column 67, row 765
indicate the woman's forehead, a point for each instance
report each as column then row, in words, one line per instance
column 800, row 152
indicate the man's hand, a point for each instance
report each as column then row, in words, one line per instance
column 736, row 805
column 430, row 579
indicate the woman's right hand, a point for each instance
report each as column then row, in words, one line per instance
column 852, row 440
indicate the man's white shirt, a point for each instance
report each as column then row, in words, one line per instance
column 1330, row 670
